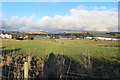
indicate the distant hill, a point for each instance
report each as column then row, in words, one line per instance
column 36, row 32
column 79, row 32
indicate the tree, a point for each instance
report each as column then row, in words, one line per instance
column 14, row 36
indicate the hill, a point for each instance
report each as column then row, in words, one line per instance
column 37, row 32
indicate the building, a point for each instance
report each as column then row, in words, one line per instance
column 4, row 34
column 107, row 39
column 115, row 39
column 88, row 37
column 102, row 38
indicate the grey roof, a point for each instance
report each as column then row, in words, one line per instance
column 4, row 32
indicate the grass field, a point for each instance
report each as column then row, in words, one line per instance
column 41, row 47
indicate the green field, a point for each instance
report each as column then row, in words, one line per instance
column 41, row 47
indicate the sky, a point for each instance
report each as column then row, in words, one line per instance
column 59, row 16
column 60, row 0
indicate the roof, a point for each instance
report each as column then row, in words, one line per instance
column 4, row 32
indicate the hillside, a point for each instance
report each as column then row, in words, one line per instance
column 37, row 32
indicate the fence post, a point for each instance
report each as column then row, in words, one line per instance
column 25, row 70
column 1, row 63
column 29, row 59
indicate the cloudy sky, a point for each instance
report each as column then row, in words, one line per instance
column 59, row 16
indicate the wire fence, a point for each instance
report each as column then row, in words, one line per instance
column 21, row 71
column 18, row 66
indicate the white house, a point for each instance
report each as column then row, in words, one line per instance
column 88, row 37
column 4, row 34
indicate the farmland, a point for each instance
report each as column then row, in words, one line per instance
column 81, row 57
column 41, row 47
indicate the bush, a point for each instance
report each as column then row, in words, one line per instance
column 14, row 36
column 30, row 38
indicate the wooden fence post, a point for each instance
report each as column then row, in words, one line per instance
column 25, row 70
column 1, row 63
column 29, row 59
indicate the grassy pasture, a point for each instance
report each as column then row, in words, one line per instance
column 41, row 47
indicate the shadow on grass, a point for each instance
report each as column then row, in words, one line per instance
column 57, row 67
column 104, row 68
column 2, row 47
column 8, row 51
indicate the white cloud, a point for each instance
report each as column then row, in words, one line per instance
column 114, row 9
column 78, row 19
column 100, row 8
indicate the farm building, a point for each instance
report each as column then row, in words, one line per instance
column 21, row 37
column 4, row 34
column 108, row 39
column 103, row 38
column 88, row 37
column 115, row 39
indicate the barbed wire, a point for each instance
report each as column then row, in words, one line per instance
column 13, row 68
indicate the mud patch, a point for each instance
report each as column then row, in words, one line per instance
column 109, row 45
